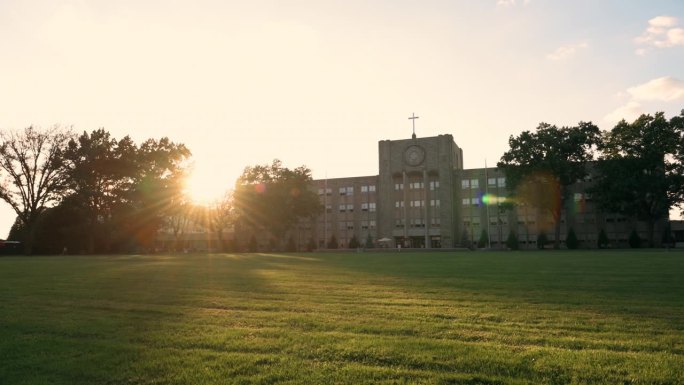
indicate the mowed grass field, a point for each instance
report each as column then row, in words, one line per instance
column 349, row 318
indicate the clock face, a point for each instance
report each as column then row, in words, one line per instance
column 414, row 155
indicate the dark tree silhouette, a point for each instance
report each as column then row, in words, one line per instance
column 539, row 166
column 273, row 198
column 33, row 172
column 640, row 172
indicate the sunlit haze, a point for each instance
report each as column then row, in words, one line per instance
column 319, row 83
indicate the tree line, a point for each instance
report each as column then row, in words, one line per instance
column 637, row 167
column 93, row 193
column 89, row 193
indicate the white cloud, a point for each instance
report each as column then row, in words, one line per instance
column 663, row 90
column 566, row 51
column 662, row 32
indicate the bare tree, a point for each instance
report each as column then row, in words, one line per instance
column 32, row 173
column 222, row 217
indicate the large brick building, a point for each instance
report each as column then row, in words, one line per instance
column 423, row 198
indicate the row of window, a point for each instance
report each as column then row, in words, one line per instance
column 475, row 183
column 349, row 208
column 417, row 223
column 433, row 185
column 417, row 203
column 349, row 225
column 347, row 190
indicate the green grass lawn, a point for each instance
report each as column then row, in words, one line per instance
column 354, row 318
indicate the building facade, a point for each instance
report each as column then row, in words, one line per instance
column 423, row 198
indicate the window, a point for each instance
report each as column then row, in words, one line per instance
column 466, row 201
column 417, row 203
column 434, row 185
column 465, row 183
column 321, row 191
column 434, row 203
column 417, row 223
column 364, row 206
column 368, row 188
column 399, row 204
column 343, row 208
column 347, row 190
column 328, row 208
column 416, row 185
column 371, row 207
column 475, row 201
column 398, row 186
column 365, row 225
column 435, row 222
column 474, row 183
column 491, row 181
column 501, row 182
column 399, row 223
column 350, row 208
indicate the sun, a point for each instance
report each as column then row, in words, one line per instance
column 203, row 189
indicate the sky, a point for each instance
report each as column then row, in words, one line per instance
column 319, row 83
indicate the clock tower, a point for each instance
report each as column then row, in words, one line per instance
column 416, row 184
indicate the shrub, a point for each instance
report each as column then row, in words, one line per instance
column 332, row 243
column 484, row 239
column 602, row 239
column 512, row 241
column 354, row 243
column 369, row 242
column 571, row 240
column 634, row 240
column 542, row 240
column 465, row 239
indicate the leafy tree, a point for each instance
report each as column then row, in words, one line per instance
column 274, row 198
column 158, row 188
column 640, row 172
column 512, row 241
column 634, row 240
column 602, row 239
column 100, row 170
column 221, row 216
column 484, row 239
column 571, row 240
column 33, row 173
column 542, row 240
column 541, row 165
